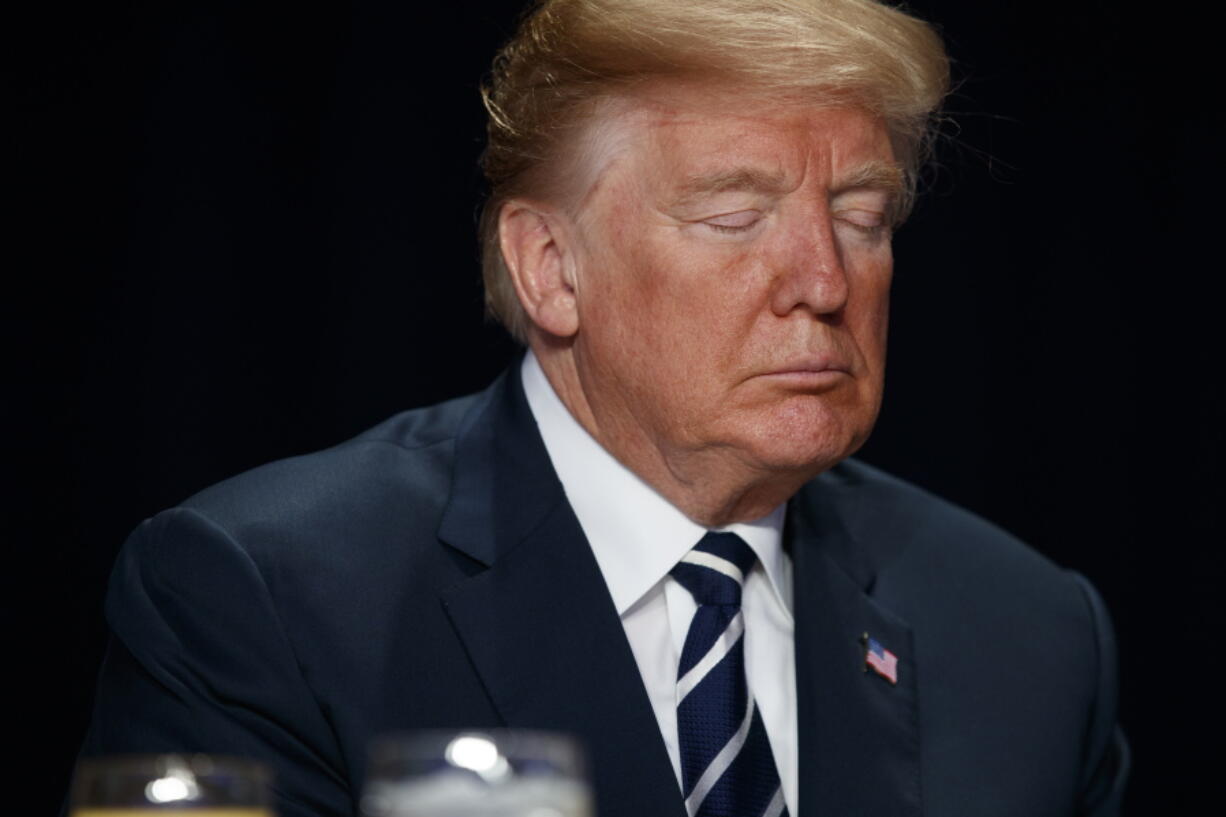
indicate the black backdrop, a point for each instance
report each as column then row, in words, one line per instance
column 246, row 231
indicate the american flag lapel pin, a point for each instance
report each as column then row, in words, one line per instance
column 879, row 659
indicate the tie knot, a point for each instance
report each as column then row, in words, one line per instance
column 714, row 571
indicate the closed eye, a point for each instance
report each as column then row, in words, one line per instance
column 737, row 222
column 869, row 222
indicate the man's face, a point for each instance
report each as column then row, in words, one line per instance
column 732, row 281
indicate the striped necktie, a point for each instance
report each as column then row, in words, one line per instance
column 727, row 768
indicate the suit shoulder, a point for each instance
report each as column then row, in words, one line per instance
column 404, row 462
column 961, row 580
column 901, row 524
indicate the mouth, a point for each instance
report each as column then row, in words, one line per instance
column 815, row 372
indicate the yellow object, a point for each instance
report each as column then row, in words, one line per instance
column 89, row 811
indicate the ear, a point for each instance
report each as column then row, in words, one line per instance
column 535, row 250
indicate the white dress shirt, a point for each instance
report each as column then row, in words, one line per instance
column 637, row 537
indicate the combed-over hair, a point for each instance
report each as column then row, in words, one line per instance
column 569, row 56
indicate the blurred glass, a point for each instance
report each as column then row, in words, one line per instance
column 169, row 785
column 501, row 773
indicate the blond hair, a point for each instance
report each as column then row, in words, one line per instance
column 569, row 56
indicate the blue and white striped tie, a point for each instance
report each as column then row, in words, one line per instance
column 727, row 768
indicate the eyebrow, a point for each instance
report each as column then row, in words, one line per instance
column 874, row 175
column 725, row 181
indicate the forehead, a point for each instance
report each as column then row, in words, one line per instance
column 671, row 140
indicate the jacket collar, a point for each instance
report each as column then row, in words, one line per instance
column 539, row 624
column 503, row 483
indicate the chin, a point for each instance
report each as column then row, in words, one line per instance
column 805, row 461
column 810, row 442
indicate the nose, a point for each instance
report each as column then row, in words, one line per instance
column 811, row 275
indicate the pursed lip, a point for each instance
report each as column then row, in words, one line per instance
column 815, row 365
column 814, row 371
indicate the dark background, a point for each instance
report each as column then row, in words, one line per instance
column 246, row 230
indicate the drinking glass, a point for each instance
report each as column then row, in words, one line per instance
column 170, row 786
column 499, row 773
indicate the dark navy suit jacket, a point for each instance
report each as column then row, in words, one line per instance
column 431, row 574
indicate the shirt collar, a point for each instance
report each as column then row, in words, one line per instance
column 636, row 534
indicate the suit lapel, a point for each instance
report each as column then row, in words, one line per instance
column 539, row 624
column 859, row 734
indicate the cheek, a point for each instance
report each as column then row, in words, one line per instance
column 665, row 302
column 628, row 310
column 869, row 309
column 709, row 287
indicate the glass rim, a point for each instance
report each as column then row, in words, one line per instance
column 562, row 750
column 501, row 736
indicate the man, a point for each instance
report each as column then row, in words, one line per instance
column 647, row 533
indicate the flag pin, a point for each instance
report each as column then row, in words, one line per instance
column 879, row 659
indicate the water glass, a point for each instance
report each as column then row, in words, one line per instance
column 170, row 786
column 499, row 773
